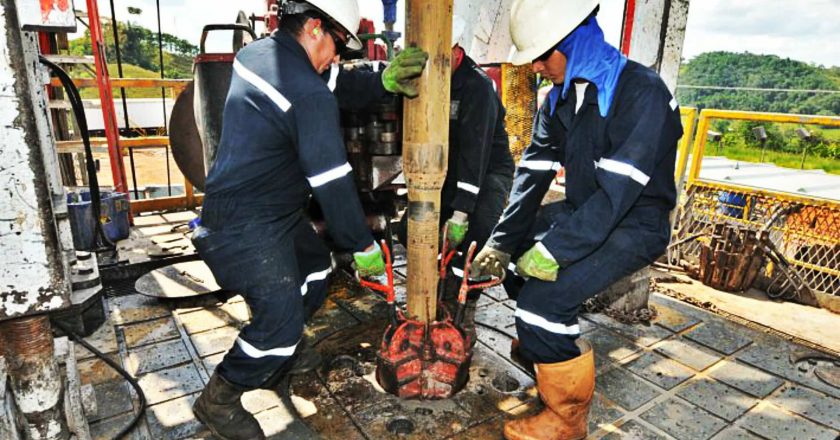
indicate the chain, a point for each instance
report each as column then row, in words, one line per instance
column 637, row 316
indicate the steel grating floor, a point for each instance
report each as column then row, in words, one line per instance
column 690, row 375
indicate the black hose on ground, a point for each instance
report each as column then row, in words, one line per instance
column 131, row 380
column 100, row 240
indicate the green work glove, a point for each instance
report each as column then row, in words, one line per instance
column 456, row 228
column 538, row 263
column 407, row 66
column 489, row 261
column 369, row 262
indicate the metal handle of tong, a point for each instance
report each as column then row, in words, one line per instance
column 466, row 286
column 446, row 256
column 387, row 289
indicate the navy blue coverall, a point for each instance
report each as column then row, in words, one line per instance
column 281, row 143
column 614, row 221
column 480, row 168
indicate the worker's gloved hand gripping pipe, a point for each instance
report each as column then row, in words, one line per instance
column 407, row 66
column 489, row 261
column 456, row 228
column 369, row 262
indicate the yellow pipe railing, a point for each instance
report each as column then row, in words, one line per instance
column 189, row 200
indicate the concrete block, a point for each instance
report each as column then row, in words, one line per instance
column 733, row 433
column 602, row 413
column 810, row 404
column 135, row 308
column 214, row 341
column 673, row 319
column 174, row 419
column 149, row 332
column 640, row 334
column 717, row 398
column 688, row 353
column 156, row 357
column 663, row 372
column 747, row 379
column 633, row 430
column 624, row 388
column 721, row 336
column 683, row 421
column 774, row 424
column 170, row 383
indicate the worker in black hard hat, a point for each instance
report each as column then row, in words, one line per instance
column 614, row 126
column 281, row 144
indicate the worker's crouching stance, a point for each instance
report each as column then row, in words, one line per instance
column 281, row 144
column 614, row 126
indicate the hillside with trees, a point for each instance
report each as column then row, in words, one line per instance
column 784, row 146
column 763, row 71
column 139, row 52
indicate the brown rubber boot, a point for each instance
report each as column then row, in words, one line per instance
column 220, row 409
column 566, row 389
column 517, row 357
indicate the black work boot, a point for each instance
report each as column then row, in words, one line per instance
column 305, row 359
column 517, row 357
column 220, row 409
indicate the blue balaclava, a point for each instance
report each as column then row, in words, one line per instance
column 591, row 58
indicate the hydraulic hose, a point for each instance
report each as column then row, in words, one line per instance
column 100, row 240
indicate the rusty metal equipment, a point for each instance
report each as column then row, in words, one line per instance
column 732, row 257
column 426, row 360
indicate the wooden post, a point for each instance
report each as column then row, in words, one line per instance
column 425, row 149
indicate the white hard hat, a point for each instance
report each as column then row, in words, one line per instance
column 343, row 12
column 458, row 26
column 537, row 25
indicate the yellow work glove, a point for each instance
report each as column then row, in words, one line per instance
column 489, row 261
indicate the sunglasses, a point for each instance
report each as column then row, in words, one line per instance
column 544, row 57
column 340, row 44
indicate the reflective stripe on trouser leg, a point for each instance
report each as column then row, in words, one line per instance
column 314, row 267
column 547, row 315
column 271, row 286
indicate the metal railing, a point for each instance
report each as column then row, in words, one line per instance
column 130, row 144
column 809, row 236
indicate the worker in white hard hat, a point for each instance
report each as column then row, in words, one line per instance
column 282, row 145
column 480, row 169
column 614, row 126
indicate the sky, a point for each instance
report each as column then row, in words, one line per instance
column 805, row 30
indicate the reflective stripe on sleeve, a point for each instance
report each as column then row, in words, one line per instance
column 625, row 169
column 468, row 187
column 540, row 165
column 262, row 85
column 330, row 175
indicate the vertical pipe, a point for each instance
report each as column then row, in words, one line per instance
column 115, row 29
column 163, row 98
column 106, row 98
column 627, row 26
column 36, row 382
column 425, row 149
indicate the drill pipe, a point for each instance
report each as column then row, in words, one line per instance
column 425, row 149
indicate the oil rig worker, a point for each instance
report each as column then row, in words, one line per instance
column 281, row 144
column 614, row 126
column 480, row 168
